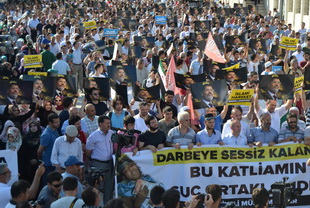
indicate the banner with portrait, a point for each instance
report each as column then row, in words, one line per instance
column 274, row 87
column 184, row 81
column 15, row 91
column 64, row 86
column 42, row 86
column 240, row 74
column 238, row 170
column 149, row 94
column 10, row 158
column 209, row 94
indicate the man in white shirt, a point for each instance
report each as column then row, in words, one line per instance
column 65, row 146
column 140, row 118
column 299, row 54
column 235, row 137
column 61, row 66
column 33, row 23
column 235, row 115
column 275, row 113
column 77, row 63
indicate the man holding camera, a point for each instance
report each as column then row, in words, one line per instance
column 99, row 149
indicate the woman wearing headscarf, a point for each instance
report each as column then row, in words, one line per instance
column 14, row 139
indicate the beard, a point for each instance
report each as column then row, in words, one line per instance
column 153, row 129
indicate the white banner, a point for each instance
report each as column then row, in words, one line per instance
column 237, row 169
column 10, row 158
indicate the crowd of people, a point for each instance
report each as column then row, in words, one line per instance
column 61, row 134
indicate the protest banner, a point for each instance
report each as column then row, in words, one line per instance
column 240, row 97
column 10, row 158
column 288, row 43
column 236, row 66
column 90, row 25
column 161, row 20
column 273, row 87
column 33, row 61
column 238, row 170
column 110, row 33
column 37, row 73
column 15, row 90
column 297, row 84
column 209, row 94
column 42, row 86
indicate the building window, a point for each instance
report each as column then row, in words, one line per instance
column 290, row 6
column 298, row 6
column 306, row 8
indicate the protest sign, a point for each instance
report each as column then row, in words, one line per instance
column 288, row 43
column 37, row 73
column 111, row 33
column 276, row 69
column 15, row 90
column 184, row 81
column 297, row 84
column 209, row 94
column 90, row 25
column 274, row 87
column 236, row 66
column 238, row 170
column 161, row 20
column 33, row 61
column 240, row 97
column 42, row 86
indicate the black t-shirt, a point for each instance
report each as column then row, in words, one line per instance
column 101, row 108
column 152, row 138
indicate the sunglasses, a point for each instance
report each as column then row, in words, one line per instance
column 58, row 100
column 57, row 185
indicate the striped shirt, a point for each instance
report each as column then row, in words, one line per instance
column 286, row 132
column 174, row 136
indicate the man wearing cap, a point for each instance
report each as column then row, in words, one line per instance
column 73, row 168
column 300, row 123
column 99, row 149
column 268, row 68
column 65, row 146
column 209, row 135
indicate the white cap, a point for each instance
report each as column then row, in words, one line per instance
column 268, row 64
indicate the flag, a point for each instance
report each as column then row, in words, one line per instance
column 115, row 51
column 169, row 51
column 190, row 106
column 212, row 51
column 161, row 72
column 170, row 81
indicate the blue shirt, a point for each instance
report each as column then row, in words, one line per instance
column 217, row 122
column 117, row 121
column 257, row 134
column 203, row 137
column 47, row 140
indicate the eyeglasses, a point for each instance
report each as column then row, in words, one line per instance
column 57, row 185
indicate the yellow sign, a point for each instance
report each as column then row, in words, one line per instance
column 224, row 154
column 37, row 73
column 236, row 66
column 240, row 97
column 288, row 43
column 90, row 25
column 297, row 84
column 33, row 61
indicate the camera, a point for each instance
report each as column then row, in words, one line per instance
column 95, row 175
column 283, row 193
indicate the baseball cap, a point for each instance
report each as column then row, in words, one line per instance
column 268, row 64
column 71, row 131
column 72, row 160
